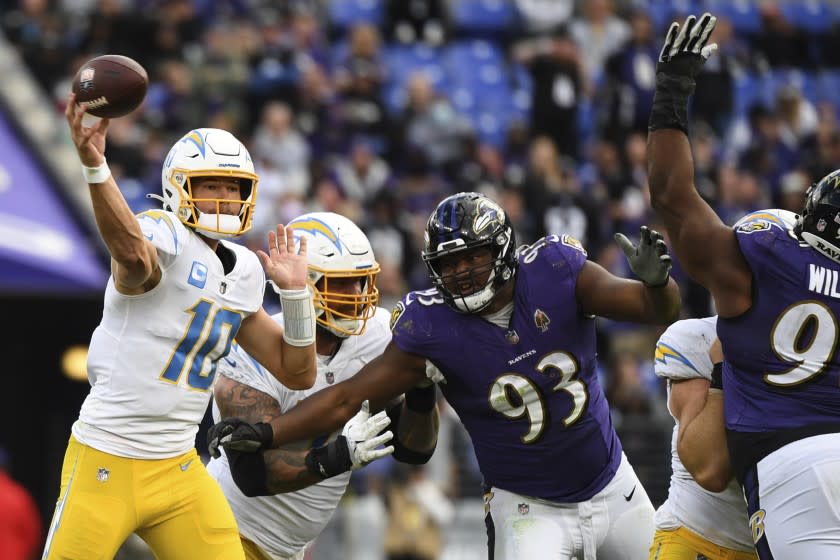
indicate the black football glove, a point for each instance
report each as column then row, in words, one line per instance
column 686, row 49
column 649, row 260
column 238, row 435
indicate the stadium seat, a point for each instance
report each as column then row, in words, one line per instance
column 483, row 17
column 490, row 127
column 806, row 82
column 462, row 99
column 748, row 90
column 464, row 54
column 344, row 14
column 829, row 87
column 811, row 15
column 394, row 97
column 663, row 12
column 402, row 61
column 744, row 14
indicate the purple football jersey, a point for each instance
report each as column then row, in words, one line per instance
column 528, row 395
column 781, row 370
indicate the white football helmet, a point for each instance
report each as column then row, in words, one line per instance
column 209, row 152
column 337, row 248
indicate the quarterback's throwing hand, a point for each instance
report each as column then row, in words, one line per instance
column 283, row 264
column 238, row 435
column 89, row 141
column 649, row 260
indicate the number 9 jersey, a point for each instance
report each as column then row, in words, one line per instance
column 152, row 359
column 782, row 382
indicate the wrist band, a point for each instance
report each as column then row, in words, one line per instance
column 670, row 102
column 421, row 399
column 717, row 376
column 298, row 317
column 95, row 175
column 330, row 460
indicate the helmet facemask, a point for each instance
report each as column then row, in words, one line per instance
column 341, row 313
column 216, row 224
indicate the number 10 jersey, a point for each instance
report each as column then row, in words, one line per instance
column 152, row 359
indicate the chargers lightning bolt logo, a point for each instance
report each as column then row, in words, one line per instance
column 663, row 352
column 315, row 227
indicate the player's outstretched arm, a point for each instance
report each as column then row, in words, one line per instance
column 287, row 352
column 281, row 470
column 135, row 262
column 415, row 421
column 654, row 299
column 705, row 246
column 380, row 381
column 277, row 471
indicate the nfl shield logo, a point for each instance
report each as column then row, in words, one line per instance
column 222, row 287
column 524, row 509
column 512, row 337
column 102, row 475
column 330, row 377
column 821, row 224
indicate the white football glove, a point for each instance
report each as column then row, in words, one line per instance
column 363, row 436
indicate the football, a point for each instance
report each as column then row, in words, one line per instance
column 111, row 85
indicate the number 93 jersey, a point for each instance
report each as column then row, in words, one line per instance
column 781, row 369
column 528, row 395
column 152, row 359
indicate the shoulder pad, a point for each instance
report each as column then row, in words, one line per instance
column 682, row 352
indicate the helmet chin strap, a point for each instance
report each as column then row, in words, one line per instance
column 479, row 300
column 211, row 222
column 476, row 302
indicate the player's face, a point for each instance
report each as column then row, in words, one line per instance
column 207, row 191
column 466, row 272
column 341, row 286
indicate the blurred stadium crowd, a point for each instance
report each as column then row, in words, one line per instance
column 377, row 109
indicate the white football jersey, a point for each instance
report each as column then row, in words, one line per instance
column 284, row 524
column 153, row 358
column 682, row 352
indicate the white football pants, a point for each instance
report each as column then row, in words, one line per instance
column 607, row 527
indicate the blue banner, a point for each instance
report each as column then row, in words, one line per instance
column 42, row 248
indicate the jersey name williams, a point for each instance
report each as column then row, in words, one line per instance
column 823, row 281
